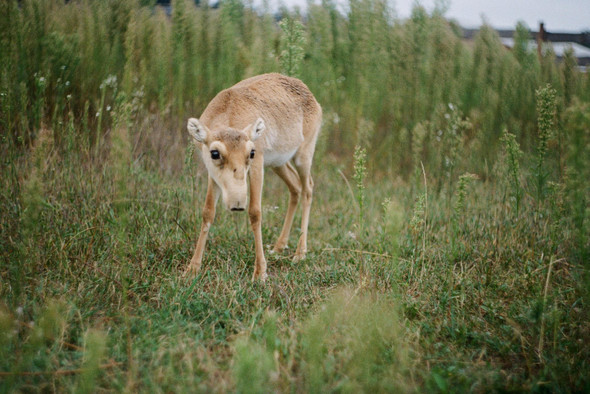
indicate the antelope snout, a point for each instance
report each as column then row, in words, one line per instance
column 237, row 201
column 235, row 194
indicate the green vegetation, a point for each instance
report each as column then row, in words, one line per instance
column 450, row 253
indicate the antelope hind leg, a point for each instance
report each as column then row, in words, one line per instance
column 288, row 174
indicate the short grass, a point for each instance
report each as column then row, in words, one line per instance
column 428, row 294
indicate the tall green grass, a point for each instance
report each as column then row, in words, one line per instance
column 364, row 65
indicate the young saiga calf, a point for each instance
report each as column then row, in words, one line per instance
column 266, row 121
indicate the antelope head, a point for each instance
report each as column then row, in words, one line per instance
column 228, row 154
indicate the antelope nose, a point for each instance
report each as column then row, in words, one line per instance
column 237, row 206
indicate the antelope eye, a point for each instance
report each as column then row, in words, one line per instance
column 252, row 153
column 215, row 154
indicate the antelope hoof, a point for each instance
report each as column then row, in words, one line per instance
column 262, row 277
column 279, row 247
column 191, row 271
column 299, row 256
column 258, row 275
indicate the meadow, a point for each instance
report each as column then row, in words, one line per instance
column 449, row 243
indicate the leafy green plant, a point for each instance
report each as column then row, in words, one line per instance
column 546, row 108
column 355, row 342
column 292, row 43
column 512, row 167
column 253, row 365
column 360, row 173
column 94, row 351
column 461, row 194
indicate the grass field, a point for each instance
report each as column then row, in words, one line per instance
column 425, row 294
column 448, row 244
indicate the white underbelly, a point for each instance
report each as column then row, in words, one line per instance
column 277, row 159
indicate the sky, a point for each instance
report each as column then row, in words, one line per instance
column 558, row 15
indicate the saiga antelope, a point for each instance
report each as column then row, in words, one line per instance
column 264, row 121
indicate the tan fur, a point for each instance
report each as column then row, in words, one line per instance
column 279, row 118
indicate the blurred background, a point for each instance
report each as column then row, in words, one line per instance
column 388, row 79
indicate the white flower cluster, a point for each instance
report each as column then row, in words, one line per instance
column 110, row 82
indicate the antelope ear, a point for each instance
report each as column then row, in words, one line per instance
column 197, row 130
column 256, row 130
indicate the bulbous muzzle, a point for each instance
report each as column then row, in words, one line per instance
column 235, row 195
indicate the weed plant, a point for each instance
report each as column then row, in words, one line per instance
column 293, row 43
column 546, row 108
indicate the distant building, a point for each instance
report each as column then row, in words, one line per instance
column 560, row 42
column 166, row 5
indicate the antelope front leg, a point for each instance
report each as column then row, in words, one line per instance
column 255, row 212
column 208, row 217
